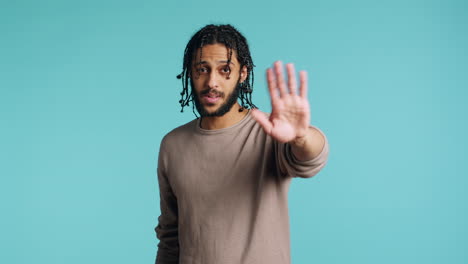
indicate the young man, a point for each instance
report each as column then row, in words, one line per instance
column 224, row 177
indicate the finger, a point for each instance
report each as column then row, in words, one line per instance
column 303, row 80
column 272, row 85
column 291, row 78
column 280, row 78
column 263, row 120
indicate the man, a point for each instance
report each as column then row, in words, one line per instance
column 224, row 177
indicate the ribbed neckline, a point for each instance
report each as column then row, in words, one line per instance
column 234, row 127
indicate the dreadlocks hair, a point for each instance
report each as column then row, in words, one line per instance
column 233, row 40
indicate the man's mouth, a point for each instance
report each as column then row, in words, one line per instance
column 211, row 97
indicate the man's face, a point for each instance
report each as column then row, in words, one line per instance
column 214, row 81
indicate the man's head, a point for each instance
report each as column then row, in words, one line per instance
column 219, row 68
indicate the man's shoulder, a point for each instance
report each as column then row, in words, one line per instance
column 179, row 132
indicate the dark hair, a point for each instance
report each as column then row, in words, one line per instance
column 232, row 39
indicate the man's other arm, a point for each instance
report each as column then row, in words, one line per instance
column 167, row 229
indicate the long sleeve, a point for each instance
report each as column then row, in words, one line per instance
column 167, row 229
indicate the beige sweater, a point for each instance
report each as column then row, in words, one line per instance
column 224, row 195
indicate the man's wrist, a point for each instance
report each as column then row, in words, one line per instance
column 299, row 142
column 308, row 146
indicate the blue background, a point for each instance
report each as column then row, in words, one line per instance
column 88, row 90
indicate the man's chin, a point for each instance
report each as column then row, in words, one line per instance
column 214, row 111
column 213, row 107
column 211, row 112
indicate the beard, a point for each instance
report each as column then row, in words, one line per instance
column 223, row 109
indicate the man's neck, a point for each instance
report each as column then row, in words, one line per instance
column 229, row 119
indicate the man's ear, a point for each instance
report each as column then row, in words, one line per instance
column 243, row 74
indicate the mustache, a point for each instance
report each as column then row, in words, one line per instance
column 212, row 91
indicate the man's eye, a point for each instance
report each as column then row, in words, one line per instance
column 202, row 70
column 226, row 70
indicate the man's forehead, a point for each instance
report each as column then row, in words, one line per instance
column 214, row 52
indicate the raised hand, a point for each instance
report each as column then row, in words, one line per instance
column 290, row 116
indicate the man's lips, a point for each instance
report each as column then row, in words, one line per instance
column 210, row 98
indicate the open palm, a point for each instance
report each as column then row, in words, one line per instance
column 290, row 116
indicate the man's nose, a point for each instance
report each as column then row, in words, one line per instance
column 213, row 80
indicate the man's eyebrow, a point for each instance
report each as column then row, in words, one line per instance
column 219, row 62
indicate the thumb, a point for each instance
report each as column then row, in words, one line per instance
column 263, row 120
